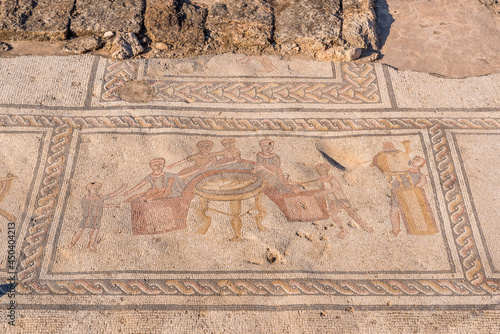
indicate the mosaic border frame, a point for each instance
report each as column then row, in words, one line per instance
column 475, row 282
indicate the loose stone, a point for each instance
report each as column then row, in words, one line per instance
column 126, row 45
column 340, row 54
column 83, row 44
column 108, row 34
column 162, row 46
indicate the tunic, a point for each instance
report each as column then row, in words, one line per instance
column 161, row 182
column 337, row 196
column 229, row 156
column 273, row 176
column 273, row 160
column 408, row 180
column 200, row 162
column 92, row 211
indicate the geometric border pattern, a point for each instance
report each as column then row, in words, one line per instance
column 358, row 85
column 250, row 124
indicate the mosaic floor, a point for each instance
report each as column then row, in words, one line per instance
column 245, row 183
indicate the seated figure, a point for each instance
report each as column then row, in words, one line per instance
column 161, row 184
column 230, row 154
column 268, row 165
column 202, row 160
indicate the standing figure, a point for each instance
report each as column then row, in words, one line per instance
column 202, row 160
column 408, row 200
column 161, row 184
column 336, row 200
column 409, row 195
column 230, row 154
column 92, row 206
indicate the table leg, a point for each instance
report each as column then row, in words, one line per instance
column 202, row 213
column 236, row 223
column 261, row 212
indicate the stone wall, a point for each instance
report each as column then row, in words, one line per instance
column 322, row 29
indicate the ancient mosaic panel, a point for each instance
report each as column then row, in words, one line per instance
column 238, row 182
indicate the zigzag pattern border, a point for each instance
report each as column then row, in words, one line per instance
column 33, row 247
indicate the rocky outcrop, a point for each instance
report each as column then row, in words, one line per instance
column 307, row 26
column 177, row 25
column 323, row 29
column 40, row 20
column 245, row 25
column 359, row 25
column 98, row 16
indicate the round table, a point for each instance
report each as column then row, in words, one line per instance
column 232, row 187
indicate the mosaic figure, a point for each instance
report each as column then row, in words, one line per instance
column 162, row 184
column 336, row 200
column 408, row 200
column 93, row 205
column 230, row 154
column 202, row 160
column 268, row 164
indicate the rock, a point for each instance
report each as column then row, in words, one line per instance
column 92, row 17
column 244, row 25
column 312, row 25
column 350, row 54
column 161, row 46
column 108, row 34
column 83, row 44
column 324, row 29
column 193, row 24
column 176, row 23
column 126, row 45
column 5, row 46
column 145, row 40
column 161, row 20
column 35, row 20
column 340, row 54
column 359, row 25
